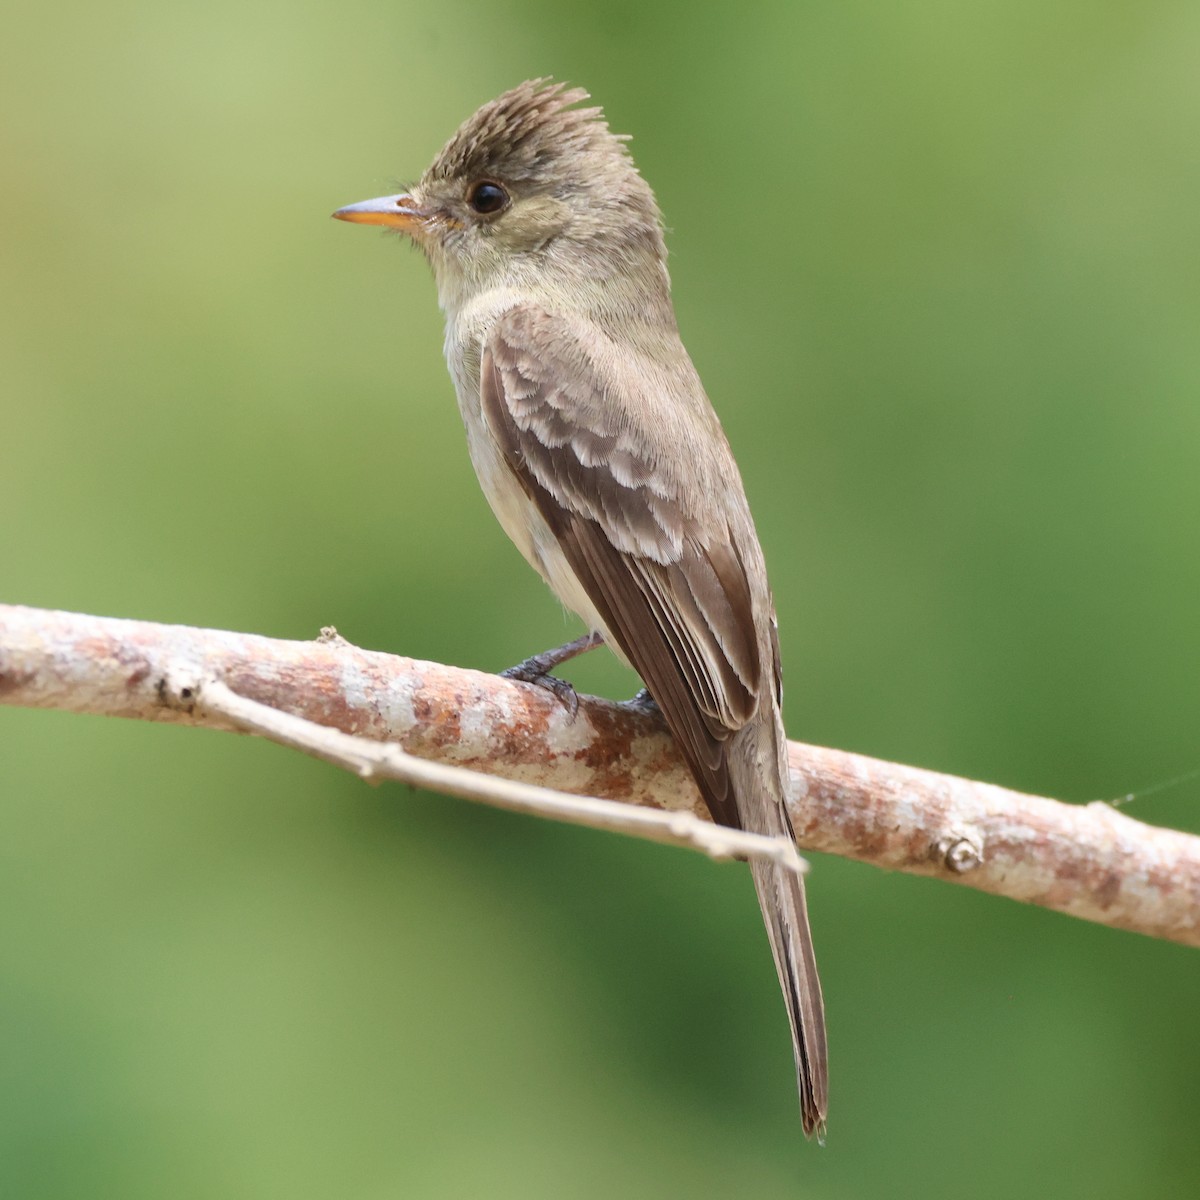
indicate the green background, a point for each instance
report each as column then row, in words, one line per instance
column 938, row 265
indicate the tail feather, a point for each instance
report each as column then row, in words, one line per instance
column 781, row 898
column 758, row 773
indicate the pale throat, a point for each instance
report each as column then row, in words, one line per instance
column 599, row 281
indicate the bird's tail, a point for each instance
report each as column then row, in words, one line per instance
column 781, row 898
column 758, row 770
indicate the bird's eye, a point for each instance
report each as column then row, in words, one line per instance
column 487, row 197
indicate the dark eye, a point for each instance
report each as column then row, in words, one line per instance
column 487, row 197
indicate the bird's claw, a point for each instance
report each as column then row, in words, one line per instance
column 530, row 671
column 536, row 670
column 643, row 702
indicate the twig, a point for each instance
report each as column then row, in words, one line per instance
column 1088, row 861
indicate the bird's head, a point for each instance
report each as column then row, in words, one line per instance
column 530, row 187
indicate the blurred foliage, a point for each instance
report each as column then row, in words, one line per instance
column 938, row 265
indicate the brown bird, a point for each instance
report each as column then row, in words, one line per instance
column 603, row 460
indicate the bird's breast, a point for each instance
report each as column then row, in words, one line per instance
column 519, row 517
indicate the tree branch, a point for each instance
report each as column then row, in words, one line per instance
column 373, row 761
column 1085, row 860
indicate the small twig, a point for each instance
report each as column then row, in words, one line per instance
column 374, row 761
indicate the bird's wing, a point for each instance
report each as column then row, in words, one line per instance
column 664, row 570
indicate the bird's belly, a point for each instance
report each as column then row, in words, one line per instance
column 520, row 518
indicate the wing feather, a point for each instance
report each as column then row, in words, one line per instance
column 663, row 570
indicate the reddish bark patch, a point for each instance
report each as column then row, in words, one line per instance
column 1109, row 891
column 14, row 681
column 137, row 676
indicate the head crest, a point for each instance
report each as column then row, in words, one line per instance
column 521, row 136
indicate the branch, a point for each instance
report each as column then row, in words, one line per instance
column 386, row 760
column 1085, row 860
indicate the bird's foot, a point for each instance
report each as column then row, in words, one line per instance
column 643, row 702
column 563, row 691
column 536, row 669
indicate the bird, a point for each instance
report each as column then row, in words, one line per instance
column 605, row 463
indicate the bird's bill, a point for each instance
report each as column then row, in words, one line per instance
column 396, row 212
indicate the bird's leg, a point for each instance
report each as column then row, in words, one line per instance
column 536, row 669
column 537, row 666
